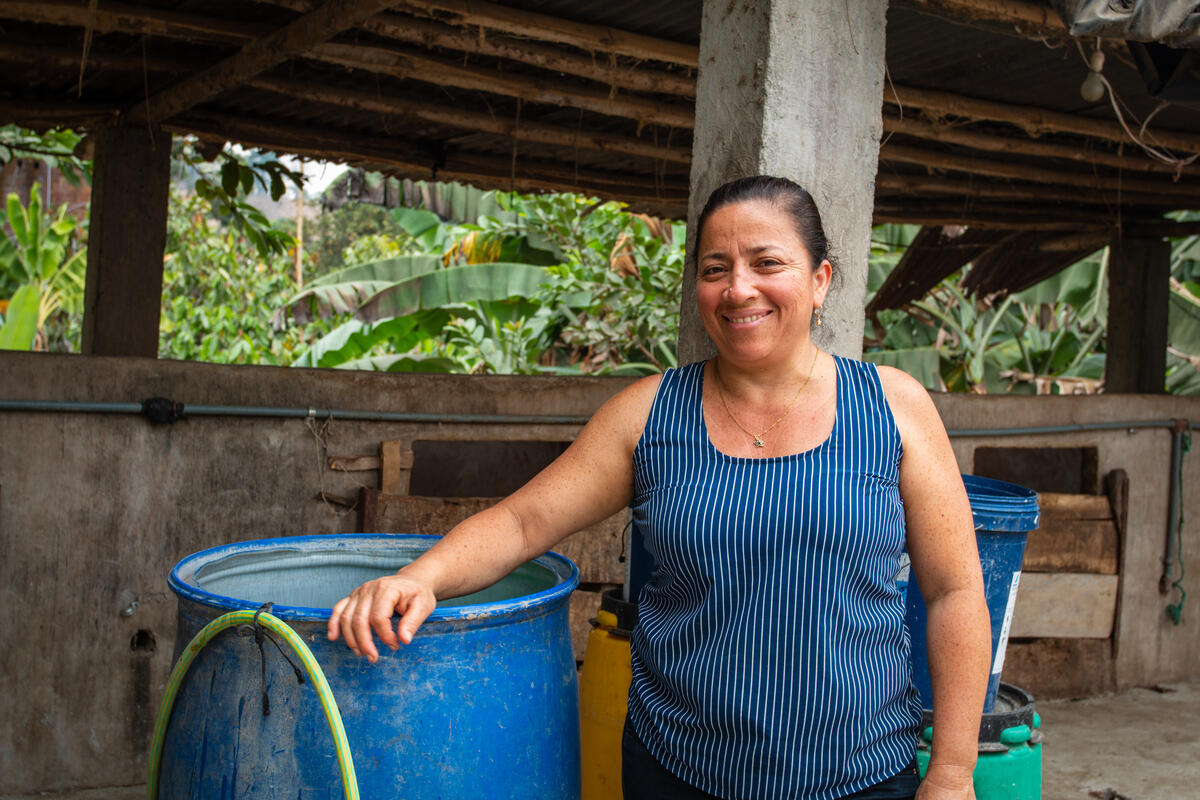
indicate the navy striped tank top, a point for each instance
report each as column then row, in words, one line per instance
column 771, row 658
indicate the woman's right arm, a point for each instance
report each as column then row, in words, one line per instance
column 589, row 482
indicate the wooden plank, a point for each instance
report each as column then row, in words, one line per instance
column 354, row 463
column 396, row 466
column 1060, row 669
column 596, row 550
column 1065, row 605
column 1074, row 506
column 1073, row 545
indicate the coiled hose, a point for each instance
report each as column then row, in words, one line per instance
column 311, row 667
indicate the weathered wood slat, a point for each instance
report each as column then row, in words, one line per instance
column 1065, row 605
column 1074, row 506
column 1073, row 545
column 596, row 550
column 1053, row 669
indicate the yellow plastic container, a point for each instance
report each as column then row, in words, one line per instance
column 604, row 697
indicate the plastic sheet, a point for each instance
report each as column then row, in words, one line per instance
column 1171, row 22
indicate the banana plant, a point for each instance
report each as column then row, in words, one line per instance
column 405, row 301
column 40, row 267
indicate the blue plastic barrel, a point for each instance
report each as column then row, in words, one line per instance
column 1004, row 514
column 482, row 704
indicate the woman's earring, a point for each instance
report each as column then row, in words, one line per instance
column 817, row 312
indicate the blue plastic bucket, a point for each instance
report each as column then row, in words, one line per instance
column 482, row 704
column 1004, row 514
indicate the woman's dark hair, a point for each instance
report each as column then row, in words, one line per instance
column 783, row 193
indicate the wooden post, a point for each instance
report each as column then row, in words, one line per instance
column 793, row 88
column 1138, row 283
column 126, row 237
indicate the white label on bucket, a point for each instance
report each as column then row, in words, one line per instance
column 1002, row 645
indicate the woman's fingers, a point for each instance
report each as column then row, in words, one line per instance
column 361, row 622
column 347, row 624
column 369, row 608
column 334, row 629
column 419, row 607
column 380, row 617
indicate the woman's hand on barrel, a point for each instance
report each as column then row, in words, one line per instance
column 370, row 608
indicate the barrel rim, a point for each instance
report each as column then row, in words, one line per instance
column 1001, row 506
column 565, row 570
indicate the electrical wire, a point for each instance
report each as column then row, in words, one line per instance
column 315, row 673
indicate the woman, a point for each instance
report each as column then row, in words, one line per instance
column 775, row 486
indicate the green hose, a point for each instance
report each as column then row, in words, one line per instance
column 276, row 625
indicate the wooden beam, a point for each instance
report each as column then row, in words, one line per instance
column 41, row 115
column 1032, row 120
column 1032, row 18
column 1139, row 278
column 1033, row 172
column 45, row 55
column 472, row 121
column 920, row 184
column 126, row 236
column 951, row 134
column 117, row 17
column 409, row 65
column 546, row 28
column 1012, row 216
column 259, row 55
column 337, row 145
column 608, row 71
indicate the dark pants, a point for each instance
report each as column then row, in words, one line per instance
column 643, row 778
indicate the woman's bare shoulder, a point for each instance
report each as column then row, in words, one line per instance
column 909, row 400
column 628, row 410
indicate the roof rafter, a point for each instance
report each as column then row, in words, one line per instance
column 259, row 55
column 543, row 27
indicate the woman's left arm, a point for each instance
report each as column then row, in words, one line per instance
column 945, row 560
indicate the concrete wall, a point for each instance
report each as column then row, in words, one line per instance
column 94, row 511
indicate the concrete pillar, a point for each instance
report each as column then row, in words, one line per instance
column 1139, row 273
column 793, row 88
column 126, row 236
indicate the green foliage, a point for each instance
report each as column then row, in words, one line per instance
column 1035, row 341
column 333, row 238
column 226, row 177
column 56, row 148
column 41, row 268
column 618, row 285
column 554, row 283
column 219, row 292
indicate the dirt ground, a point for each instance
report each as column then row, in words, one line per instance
column 1141, row 744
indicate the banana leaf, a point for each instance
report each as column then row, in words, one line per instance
column 342, row 292
column 404, row 363
column 496, row 281
column 21, row 319
column 920, row 362
column 1183, row 321
column 1182, row 376
column 354, row 339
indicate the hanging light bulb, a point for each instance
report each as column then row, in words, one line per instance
column 1092, row 88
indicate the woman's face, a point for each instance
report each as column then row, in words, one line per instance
column 756, row 286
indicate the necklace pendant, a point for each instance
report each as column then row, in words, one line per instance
column 758, row 442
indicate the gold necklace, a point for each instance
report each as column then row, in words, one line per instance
column 758, row 439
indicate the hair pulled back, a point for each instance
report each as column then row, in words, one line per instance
column 786, row 195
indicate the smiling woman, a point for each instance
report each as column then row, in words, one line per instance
column 775, row 487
